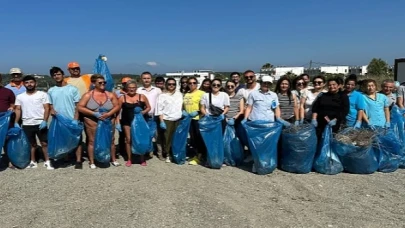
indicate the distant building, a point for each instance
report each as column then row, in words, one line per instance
column 358, row 70
column 280, row 71
column 335, row 69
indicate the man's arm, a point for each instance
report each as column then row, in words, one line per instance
column 47, row 111
column 17, row 113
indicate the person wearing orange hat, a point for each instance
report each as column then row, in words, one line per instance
column 121, row 135
column 82, row 82
column 123, row 91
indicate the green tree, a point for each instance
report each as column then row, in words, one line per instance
column 267, row 66
column 377, row 67
column 290, row 75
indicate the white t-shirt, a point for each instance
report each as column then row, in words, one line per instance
column 32, row 107
column 221, row 100
column 310, row 97
column 170, row 106
column 152, row 94
column 245, row 92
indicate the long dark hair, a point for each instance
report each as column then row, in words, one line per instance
column 278, row 87
column 202, row 85
column 296, row 79
column 183, row 90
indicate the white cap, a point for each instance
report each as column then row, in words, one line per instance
column 15, row 71
column 267, row 78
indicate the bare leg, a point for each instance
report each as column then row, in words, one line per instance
column 44, row 146
column 33, row 149
column 79, row 153
column 113, row 152
column 127, row 131
column 91, row 131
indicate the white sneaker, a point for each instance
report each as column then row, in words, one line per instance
column 115, row 163
column 254, row 168
column 32, row 165
column 248, row 159
column 93, row 166
column 168, row 159
column 48, row 165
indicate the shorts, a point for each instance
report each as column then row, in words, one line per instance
column 32, row 131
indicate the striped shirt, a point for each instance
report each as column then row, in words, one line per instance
column 286, row 106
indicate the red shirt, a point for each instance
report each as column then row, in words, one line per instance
column 7, row 98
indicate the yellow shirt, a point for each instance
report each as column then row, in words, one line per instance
column 192, row 102
column 82, row 83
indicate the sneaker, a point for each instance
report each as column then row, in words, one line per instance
column 248, row 159
column 194, row 161
column 128, row 164
column 79, row 165
column 48, row 165
column 143, row 164
column 92, row 166
column 160, row 157
column 115, row 163
column 168, row 160
column 32, row 165
column 254, row 168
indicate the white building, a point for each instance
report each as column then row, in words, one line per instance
column 280, row 71
column 335, row 69
column 199, row 74
column 358, row 70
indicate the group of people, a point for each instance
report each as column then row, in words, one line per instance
column 83, row 98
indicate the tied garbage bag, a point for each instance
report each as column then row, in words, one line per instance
column 390, row 151
column 326, row 161
column 179, row 143
column 140, row 135
column 263, row 138
column 397, row 123
column 233, row 150
column 100, row 67
column 298, row 148
column 103, row 141
column 18, row 148
column 211, row 132
column 4, row 124
column 63, row 136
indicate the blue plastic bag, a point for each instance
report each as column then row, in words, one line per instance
column 103, row 141
column 4, row 124
column 152, row 129
column 241, row 133
column 390, row 151
column 100, row 67
column 263, row 140
column 18, row 148
column 326, row 160
column 233, row 149
column 140, row 135
column 179, row 141
column 397, row 123
column 63, row 136
column 298, row 149
column 211, row 132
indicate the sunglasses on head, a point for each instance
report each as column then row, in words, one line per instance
column 192, row 83
column 171, row 84
column 216, row 85
column 318, row 82
column 102, row 83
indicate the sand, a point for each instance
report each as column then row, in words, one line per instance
column 169, row 195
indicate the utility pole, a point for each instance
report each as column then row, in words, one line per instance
column 310, row 64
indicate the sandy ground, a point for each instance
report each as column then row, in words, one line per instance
column 168, row 195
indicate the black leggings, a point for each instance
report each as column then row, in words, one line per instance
column 196, row 139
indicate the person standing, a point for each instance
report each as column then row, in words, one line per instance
column 160, row 83
column 309, row 96
column 387, row 89
column 82, row 82
column 235, row 77
column 7, row 100
column 237, row 103
column 251, row 84
column 34, row 106
column 16, row 84
column 169, row 110
column 206, row 85
column 151, row 94
column 121, row 134
column 183, row 85
column 357, row 104
column 289, row 108
column 376, row 111
column 63, row 100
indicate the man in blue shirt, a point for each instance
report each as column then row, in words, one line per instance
column 63, row 100
column 16, row 84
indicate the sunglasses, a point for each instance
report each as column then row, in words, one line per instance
column 192, row 83
column 171, row 84
column 249, row 77
column 216, row 85
column 184, row 82
column 102, row 83
column 76, row 68
column 230, row 87
column 300, row 84
column 318, row 82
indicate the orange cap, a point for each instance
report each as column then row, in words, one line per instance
column 73, row 65
column 125, row 79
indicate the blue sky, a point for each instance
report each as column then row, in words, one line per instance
column 223, row 35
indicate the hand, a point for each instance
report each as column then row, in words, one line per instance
column 137, row 110
column 283, row 122
column 231, row 122
column 43, row 125
column 332, row 122
column 53, row 112
column 296, row 123
column 243, row 121
column 314, row 122
column 163, row 125
column 184, row 113
column 357, row 125
column 97, row 115
column 387, row 124
column 104, row 116
column 16, row 125
column 273, row 105
column 10, row 109
column 118, row 127
column 193, row 114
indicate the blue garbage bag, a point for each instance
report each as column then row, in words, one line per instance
column 63, row 136
column 233, row 149
column 389, row 150
column 397, row 123
column 242, row 135
column 326, row 160
column 298, row 149
column 179, row 141
column 263, row 143
column 140, row 135
column 4, row 124
column 18, row 148
column 152, row 129
column 211, row 132
column 103, row 141
column 100, row 67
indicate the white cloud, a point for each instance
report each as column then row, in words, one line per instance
column 151, row 63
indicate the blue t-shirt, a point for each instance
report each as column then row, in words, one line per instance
column 375, row 109
column 64, row 99
column 16, row 90
column 357, row 103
